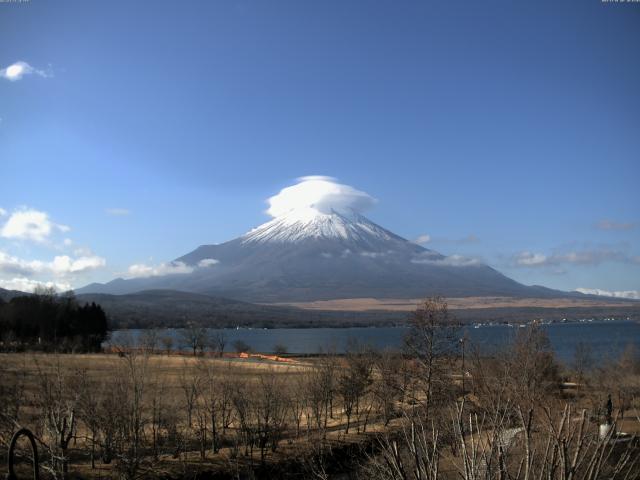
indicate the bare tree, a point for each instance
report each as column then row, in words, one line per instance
column 491, row 383
column 88, row 406
column 57, row 400
column 321, row 389
column 583, row 362
column 158, row 411
column 531, row 365
column 190, row 386
column 415, row 456
column 167, row 343
column 148, row 340
column 213, row 399
column 226, row 384
column 241, row 346
column 270, row 411
column 280, row 349
column 432, row 342
column 12, row 389
column 561, row 446
column 218, row 341
column 242, row 399
column 354, row 381
column 389, row 384
column 194, row 337
column 109, row 416
column 129, row 412
column 202, row 410
column 298, row 396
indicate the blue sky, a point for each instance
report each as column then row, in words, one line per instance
column 506, row 131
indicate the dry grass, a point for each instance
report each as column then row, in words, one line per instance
column 407, row 305
column 172, row 372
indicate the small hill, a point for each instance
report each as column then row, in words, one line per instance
column 7, row 295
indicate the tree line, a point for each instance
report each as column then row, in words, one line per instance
column 48, row 321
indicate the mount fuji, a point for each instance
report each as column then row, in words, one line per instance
column 308, row 254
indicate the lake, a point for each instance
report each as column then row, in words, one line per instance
column 606, row 338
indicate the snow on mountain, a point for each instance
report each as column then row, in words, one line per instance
column 309, row 223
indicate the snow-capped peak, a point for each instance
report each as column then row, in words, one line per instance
column 311, row 223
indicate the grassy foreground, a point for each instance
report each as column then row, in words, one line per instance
column 424, row 414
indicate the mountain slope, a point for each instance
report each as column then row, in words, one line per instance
column 6, row 295
column 174, row 308
column 170, row 308
column 312, row 255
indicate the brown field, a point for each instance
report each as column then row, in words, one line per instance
column 461, row 303
column 169, row 379
column 156, row 415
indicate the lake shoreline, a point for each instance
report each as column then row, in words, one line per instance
column 607, row 338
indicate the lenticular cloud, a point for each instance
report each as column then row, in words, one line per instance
column 320, row 193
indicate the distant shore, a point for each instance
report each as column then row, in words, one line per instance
column 457, row 303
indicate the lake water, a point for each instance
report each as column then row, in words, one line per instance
column 606, row 338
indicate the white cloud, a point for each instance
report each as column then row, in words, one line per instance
column 581, row 257
column 460, row 261
column 433, row 258
column 27, row 224
column 530, row 259
column 61, row 265
column 467, row 240
column 117, row 212
column 3, row 212
column 630, row 294
column 25, row 275
column 422, row 239
column 373, row 254
column 30, row 224
column 141, row 270
column 207, row 262
column 320, row 193
column 64, row 265
column 28, row 285
column 428, row 256
column 16, row 266
column 17, row 70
